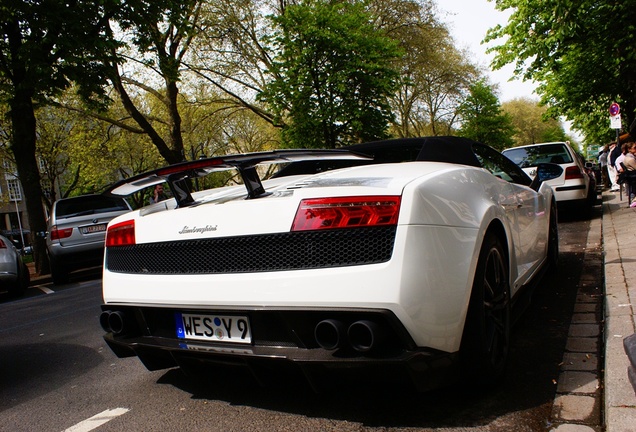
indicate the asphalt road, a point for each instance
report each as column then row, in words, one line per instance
column 57, row 373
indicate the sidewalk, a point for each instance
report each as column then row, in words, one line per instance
column 619, row 245
column 35, row 278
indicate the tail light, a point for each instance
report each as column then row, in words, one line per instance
column 2, row 245
column 121, row 234
column 573, row 172
column 57, row 234
column 346, row 212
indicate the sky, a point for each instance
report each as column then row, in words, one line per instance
column 468, row 22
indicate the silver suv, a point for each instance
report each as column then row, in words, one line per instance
column 76, row 232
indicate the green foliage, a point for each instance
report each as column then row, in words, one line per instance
column 79, row 154
column 45, row 46
column 580, row 51
column 435, row 75
column 333, row 75
column 483, row 119
column 531, row 122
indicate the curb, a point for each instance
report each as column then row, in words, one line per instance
column 35, row 278
column 578, row 401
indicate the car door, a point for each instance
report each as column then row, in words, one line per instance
column 529, row 210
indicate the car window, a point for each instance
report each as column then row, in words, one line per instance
column 85, row 205
column 500, row 166
column 527, row 157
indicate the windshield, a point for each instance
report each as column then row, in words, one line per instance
column 526, row 157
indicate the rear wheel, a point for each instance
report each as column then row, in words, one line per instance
column 486, row 337
column 21, row 285
column 59, row 274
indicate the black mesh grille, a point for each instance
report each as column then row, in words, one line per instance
column 260, row 253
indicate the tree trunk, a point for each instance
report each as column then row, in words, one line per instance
column 23, row 148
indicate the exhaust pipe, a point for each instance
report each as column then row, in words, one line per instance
column 329, row 334
column 365, row 335
column 103, row 320
column 114, row 322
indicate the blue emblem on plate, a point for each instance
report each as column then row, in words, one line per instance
column 179, row 325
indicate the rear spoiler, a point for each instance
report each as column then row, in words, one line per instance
column 177, row 175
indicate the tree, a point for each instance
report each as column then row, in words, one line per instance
column 483, row 119
column 44, row 46
column 436, row 76
column 531, row 123
column 333, row 75
column 580, row 51
column 160, row 33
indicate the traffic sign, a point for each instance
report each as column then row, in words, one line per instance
column 614, row 109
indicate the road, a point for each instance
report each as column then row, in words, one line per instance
column 57, row 373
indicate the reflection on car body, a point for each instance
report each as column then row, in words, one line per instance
column 400, row 258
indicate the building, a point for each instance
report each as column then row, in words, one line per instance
column 14, row 222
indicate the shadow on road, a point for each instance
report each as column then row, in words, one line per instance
column 31, row 370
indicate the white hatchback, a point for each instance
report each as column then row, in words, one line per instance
column 574, row 187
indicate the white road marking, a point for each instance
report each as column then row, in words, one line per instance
column 97, row 420
column 44, row 289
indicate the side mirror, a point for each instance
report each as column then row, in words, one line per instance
column 545, row 172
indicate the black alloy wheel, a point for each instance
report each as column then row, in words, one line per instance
column 486, row 337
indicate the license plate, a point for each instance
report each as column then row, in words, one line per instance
column 93, row 229
column 213, row 328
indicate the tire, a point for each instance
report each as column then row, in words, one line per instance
column 59, row 274
column 553, row 239
column 22, row 283
column 486, row 337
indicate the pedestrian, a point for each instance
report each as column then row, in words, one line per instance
column 628, row 162
column 611, row 168
column 619, row 160
column 602, row 160
column 158, row 194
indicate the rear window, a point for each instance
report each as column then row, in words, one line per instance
column 526, row 157
column 85, row 205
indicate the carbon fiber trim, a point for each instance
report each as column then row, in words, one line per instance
column 259, row 253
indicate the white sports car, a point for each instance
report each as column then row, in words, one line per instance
column 400, row 257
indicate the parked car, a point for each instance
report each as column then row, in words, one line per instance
column 14, row 274
column 395, row 258
column 76, row 232
column 26, row 250
column 575, row 188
